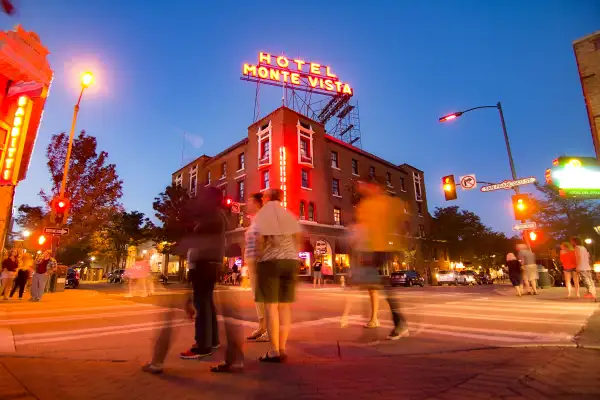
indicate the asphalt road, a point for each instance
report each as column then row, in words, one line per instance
column 98, row 321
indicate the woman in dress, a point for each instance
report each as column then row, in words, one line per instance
column 515, row 272
column 569, row 263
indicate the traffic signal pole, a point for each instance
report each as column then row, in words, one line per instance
column 63, row 185
column 508, row 150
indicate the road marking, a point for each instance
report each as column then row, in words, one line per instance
column 30, row 321
column 495, row 318
column 65, row 310
column 536, row 310
column 7, row 343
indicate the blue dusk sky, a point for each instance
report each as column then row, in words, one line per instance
column 168, row 67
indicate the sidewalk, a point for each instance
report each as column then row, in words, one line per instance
column 509, row 374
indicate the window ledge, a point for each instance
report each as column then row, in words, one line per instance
column 337, row 195
column 240, row 176
column 264, row 190
column 403, row 190
column 207, row 185
column 336, row 168
column 240, row 170
column 353, row 174
column 306, row 188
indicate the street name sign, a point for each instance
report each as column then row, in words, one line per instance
column 56, row 231
column 509, row 184
column 468, row 182
column 525, row 226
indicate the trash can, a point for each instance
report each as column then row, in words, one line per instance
column 544, row 277
column 59, row 279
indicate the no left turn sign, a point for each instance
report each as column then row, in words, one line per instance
column 468, row 182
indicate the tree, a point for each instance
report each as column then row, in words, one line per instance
column 124, row 229
column 30, row 218
column 561, row 217
column 93, row 187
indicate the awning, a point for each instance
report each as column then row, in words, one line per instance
column 307, row 247
column 233, row 250
column 342, row 247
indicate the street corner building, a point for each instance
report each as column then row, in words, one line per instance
column 317, row 174
column 25, row 79
column 587, row 55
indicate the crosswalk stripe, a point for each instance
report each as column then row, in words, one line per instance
column 538, row 310
column 28, row 321
column 542, row 321
column 66, row 310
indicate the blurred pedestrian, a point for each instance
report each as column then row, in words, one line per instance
column 280, row 239
column 9, row 272
column 515, row 272
column 251, row 256
column 44, row 267
column 584, row 268
column 317, row 274
column 245, row 277
column 23, row 273
column 569, row 263
column 527, row 259
column 378, row 218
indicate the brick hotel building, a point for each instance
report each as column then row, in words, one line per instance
column 317, row 173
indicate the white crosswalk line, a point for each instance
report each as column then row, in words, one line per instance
column 68, row 310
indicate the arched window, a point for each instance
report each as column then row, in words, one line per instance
column 311, row 212
column 302, row 210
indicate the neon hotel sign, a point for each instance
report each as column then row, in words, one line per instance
column 286, row 71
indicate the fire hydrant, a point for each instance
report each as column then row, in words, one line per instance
column 342, row 281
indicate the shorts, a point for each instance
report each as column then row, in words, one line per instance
column 318, row 274
column 531, row 272
column 276, row 281
column 515, row 280
column 570, row 269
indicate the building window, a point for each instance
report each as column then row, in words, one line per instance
column 178, row 180
column 418, row 187
column 305, row 179
column 334, row 160
column 335, row 186
column 240, row 220
column 224, row 170
column 422, row 230
column 402, row 187
column 302, row 210
column 193, row 181
column 305, row 143
column 265, row 180
column 241, row 191
column 311, row 211
column 354, row 167
column 337, row 216
column 264, row 145
column 241, row 162
column 224, row 191
column 208, row 178
column 435, row 254
column 388, row 179
column 407, row 227
column 372, row 172
column 420, row 209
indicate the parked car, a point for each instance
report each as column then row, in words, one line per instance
column 447, row 277
column 467, row 278
column 407, row 278
column 116, row 276
column 72, row 279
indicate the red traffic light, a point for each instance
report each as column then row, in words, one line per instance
column 41, row 240
column 228, row 201
column 450, row 117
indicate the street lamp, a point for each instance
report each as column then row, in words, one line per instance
column 455, row 115
column 588, row 241
column 92, row 258
column 26, row 233
column 86, row 80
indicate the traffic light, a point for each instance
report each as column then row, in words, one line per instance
column 534, row 237
column 449, row 187
column 42, row 240
column 522, row 206
column 60, row 210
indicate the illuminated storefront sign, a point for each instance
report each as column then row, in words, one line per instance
column 575, row 176
column 15, row 139
column 283, row 71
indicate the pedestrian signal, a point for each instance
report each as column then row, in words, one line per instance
column 522, row 206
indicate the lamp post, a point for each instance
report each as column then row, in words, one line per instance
column 86, row 80
column 455, row 115
column 26, row 233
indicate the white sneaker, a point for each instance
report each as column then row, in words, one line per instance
column 397, row 335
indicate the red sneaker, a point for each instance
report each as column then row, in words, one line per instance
column 194, row 354
column 589, row 296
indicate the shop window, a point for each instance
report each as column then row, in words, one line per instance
column 302, row 210
column 342, row 263
column 305, row 179
column 334, row 160
column 311, row 212
column 335, row 187
column 265, row 180
column 264, row 145
column 241, row 162
column 193, row 185
column 402, row 187
column 354, row 167
column 337, row 216
column 241, row 191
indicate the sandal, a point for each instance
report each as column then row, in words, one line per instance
column 372, row 324
column 226, row 367
column 268, row 358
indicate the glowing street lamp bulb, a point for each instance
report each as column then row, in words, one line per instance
column 92, row 258
column 588, row 241
column 87, row 79
column 26, row 233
